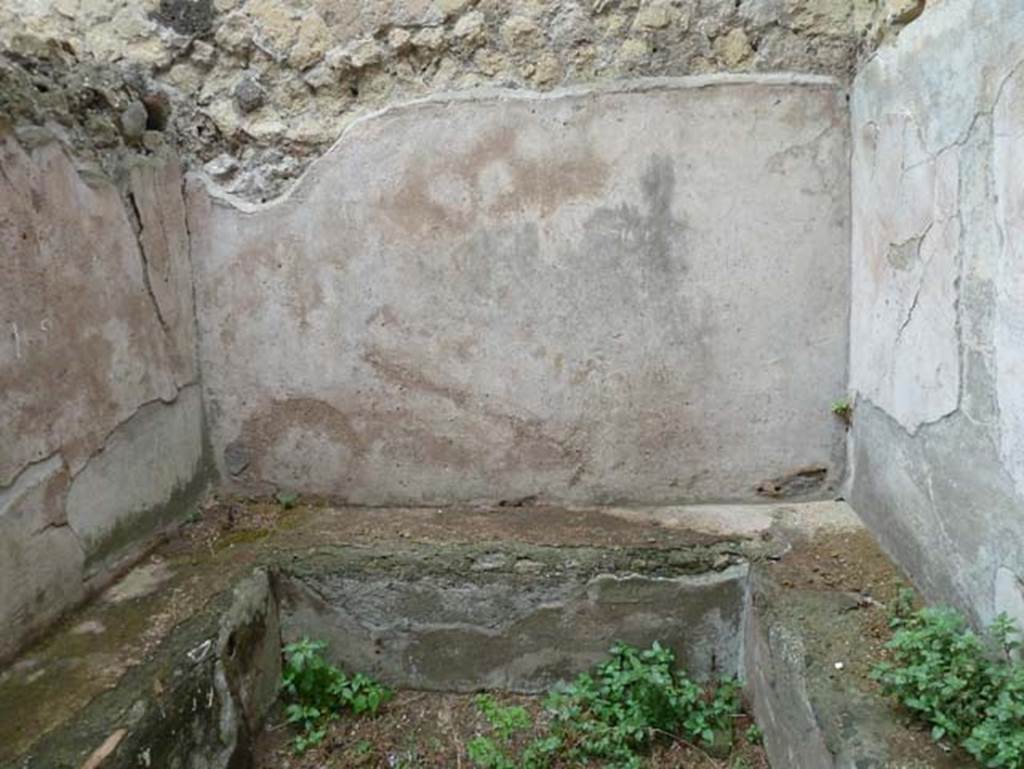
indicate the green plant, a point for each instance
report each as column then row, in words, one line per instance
column 629, row 701
column 843, row 409
column 998, row 741
column 410, row 759
column 317, row 692
column 754, row 735
column 287, row 499
column 487, row 754
column 506, row 721
column 968, row 687
column 612, row 714
column 939, row 671
column 902, row 606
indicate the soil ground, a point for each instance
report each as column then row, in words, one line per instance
column 429, row 730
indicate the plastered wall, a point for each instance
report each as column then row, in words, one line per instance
column 937, row 329
column 593, row 289
column 630, row 294
column 100, row 412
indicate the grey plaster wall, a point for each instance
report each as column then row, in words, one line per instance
column 937, row 326
column 499, row 629
column 635, row 293
column 101, row 425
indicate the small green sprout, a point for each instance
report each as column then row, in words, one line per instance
column 843, row 410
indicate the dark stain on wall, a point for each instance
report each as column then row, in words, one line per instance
column 243, row 456
column 799, row 483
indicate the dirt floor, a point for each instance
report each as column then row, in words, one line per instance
column 421, row 730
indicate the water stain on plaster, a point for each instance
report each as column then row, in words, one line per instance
column 261, row 431
column 530, row 443
column 647, row 244
column 356, row 436
column 654, row 237
column 52, row 345
column 902, row 256
column 404, row 376
column 494, row 178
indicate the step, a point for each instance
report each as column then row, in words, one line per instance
column 179, row 661
column 818, row 624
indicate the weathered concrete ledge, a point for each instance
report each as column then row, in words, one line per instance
column 516, row 619
column 815, row 628
column 197, row 699
column 183, row 654
column 179, row 628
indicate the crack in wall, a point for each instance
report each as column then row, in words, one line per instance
column 1001, row 222
column 124, row 422
column 923, row 446
column 24, row 475
column 30, row 477
column 965, row 135
column 918, row 242
column 186, row 208
column 197, row 352
column 961, row 266
column 940, row 492
column 137, row 227
column 794, row 149
column 16, row 478
column 943, row 530
column 914, row 443
column 52, row 526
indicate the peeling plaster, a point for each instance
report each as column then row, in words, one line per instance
column 938, row 471
column 101, row 386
